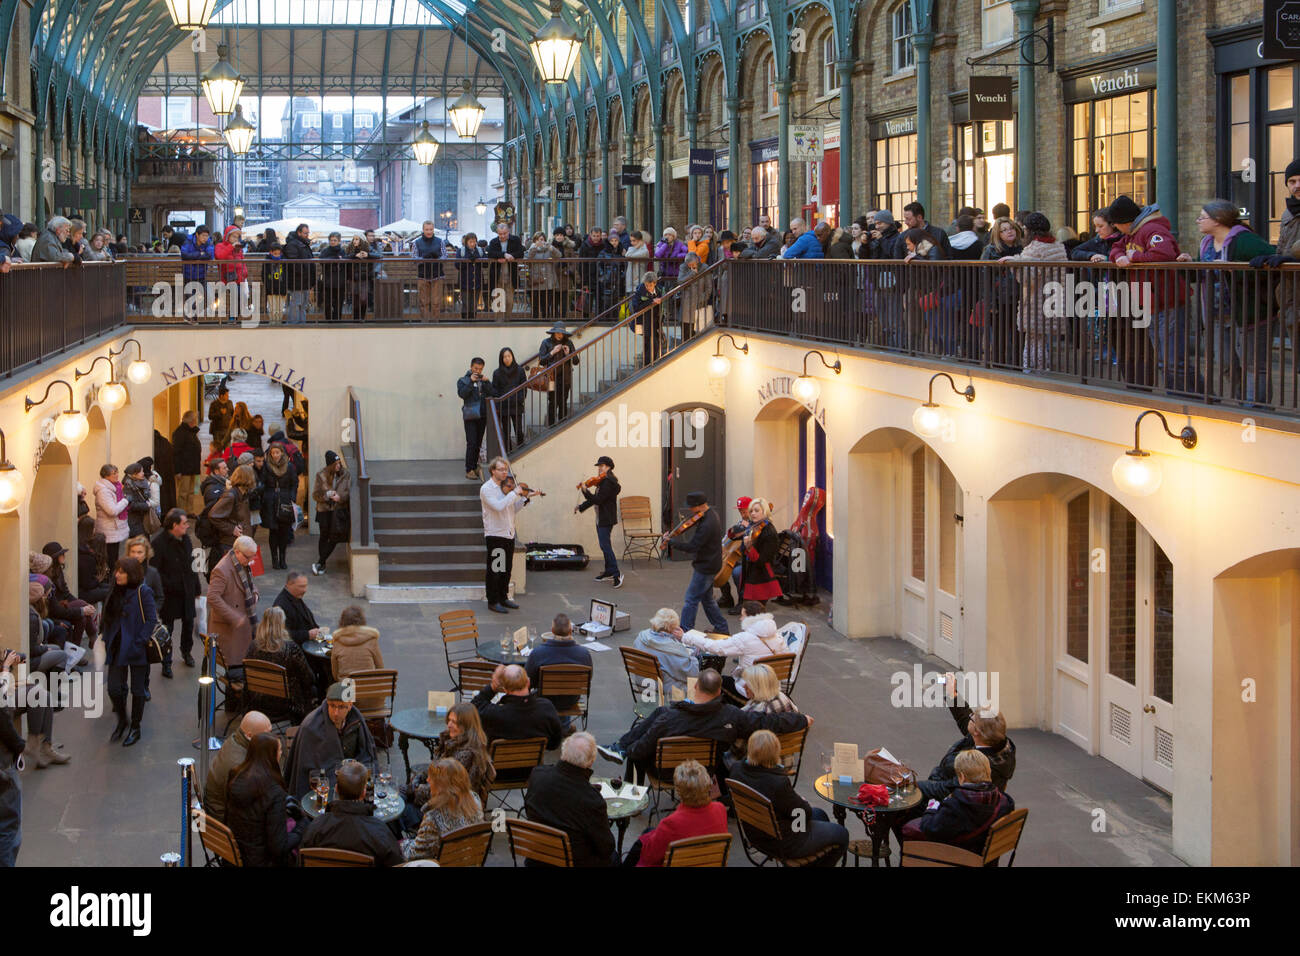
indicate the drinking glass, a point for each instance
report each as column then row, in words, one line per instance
column 826, row 762
column 532, row 637
column 505, row 645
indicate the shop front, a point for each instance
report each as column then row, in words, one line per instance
column 720, row 190
column 986, row 161
column 893, row 158
column 1111, row 133
column 764, row 195
column 822, row 181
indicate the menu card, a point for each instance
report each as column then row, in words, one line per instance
column 676, row 694
column 441, row 701
column 690, row 687
column 846, row 765
column 521, row 638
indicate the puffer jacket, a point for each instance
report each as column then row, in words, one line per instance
column 756, row 638
column 110, row 520
column 356, row 648
column 231, row 256
column 1034, row 312
column 1152, row 241
column 197, row 254
column 137, row 504
column 964, row 818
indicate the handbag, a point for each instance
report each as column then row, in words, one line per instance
column 158, row 645
column 880, row 770
column 538, row 382
column 286, row 513
column 471, row 413
column 152, row 525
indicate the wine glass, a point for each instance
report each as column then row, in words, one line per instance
column 314, row 781
column 505, row 645
column 532, row 636
column 826, row 762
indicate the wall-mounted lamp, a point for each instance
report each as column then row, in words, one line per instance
column 71, row 427
column 806, row 389
column 138, row 371
column 112, row 394
column 1134, row 471
column 931, row 419
column 719, row 364
column 13, row 486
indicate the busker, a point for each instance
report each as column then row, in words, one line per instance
column 605, row 500
column 706, row 543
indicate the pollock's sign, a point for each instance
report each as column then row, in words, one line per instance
column 225, row 364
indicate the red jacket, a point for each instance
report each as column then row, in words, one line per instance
column 237, row 272
column 681, row 824
column 1151, row 241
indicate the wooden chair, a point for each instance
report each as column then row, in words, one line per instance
column 466, row 846
column 517, row 756
column 567, row 680
column 270, row 680
column 327, row 856
column 792, row 752
column 536, row 841
column 218, row 841
column 783, row 666
column 699, row 851
column 459, row 641
column 669, row 753
column 755, row 815
column 1003, row 836
column 376, row 691
column 642, row 674
column 638, row 529
column 474, row 676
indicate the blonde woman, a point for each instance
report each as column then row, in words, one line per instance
column 273, row 645
column 452, row 805
column 758, row 580
column 696, row 242
column 765, row 697
column 140, row 549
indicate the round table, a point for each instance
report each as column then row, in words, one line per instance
column 621, row 810
column 422, row 724
column 386, row 810
column 844, row 798
column 317, row 649
column 491, row 650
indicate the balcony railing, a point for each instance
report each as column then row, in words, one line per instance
column 46, row 309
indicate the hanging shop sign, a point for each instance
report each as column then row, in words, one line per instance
column 990, row 99
column 1281, row 30
column 136, row 215
column 701, row 162
column 806, row 144
column 564, row 192
column 631, row 174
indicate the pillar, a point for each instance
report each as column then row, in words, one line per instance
column 1026, row 124
column 922, row 42
column 783, row 155
column 692, row 181
column 733, row 163
column 604, row 209
column 847, row 209
column 1167, row 100
column 661, row 176
column 38, row 154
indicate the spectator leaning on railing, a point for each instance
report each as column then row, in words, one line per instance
column 806, row 244
column 10, row 227
column 49, row 244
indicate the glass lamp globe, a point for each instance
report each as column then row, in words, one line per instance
column 466, row 114
column 191, row 14
column 222, row 84
column 806, row 389
column 13, row 487
column 719, row 366
column 555, row 48
column 480, row 207
column 112, row 395
column 139, row 371
column 425, row 146
column 239, row 132
column 929, row 420
column 1136, row 473
column 71, row 428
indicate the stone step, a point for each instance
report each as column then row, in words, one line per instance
column 422, row 520
column 430, row 573
column 406, row 488
column 407, row 503
column 427, row 537
column 427, row 593
column 390, row 555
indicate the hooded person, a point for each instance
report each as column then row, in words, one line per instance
column 333, row 732
column 10, row 226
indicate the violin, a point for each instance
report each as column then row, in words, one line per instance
column 510, row 484
column 687, row 524
column 754, row 531
column 592, row 482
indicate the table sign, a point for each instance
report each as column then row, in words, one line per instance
column 441, row 701
column 676, row 694
column 521, row 638
column 690, row 687
column 846, row 766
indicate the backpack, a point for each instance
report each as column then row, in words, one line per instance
column 204, row 529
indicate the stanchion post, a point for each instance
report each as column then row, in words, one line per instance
column 185, row 763
column 205, row 727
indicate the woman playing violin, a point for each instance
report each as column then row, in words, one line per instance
column 605, row 500
column 758, row 580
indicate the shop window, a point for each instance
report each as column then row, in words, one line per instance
column 770, row 103
column 895, row 173
column 998, row 22
column 765, row 191
column 1112, row 153
column 830, row 75
column 986, row 160
column 904, row 57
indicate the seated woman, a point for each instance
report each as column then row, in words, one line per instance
column 43, row 657
column 765, row 697
column 696, row 815
column 964, row 817
column 663, row 639
column 463, row 740
column 272, row 644
column 762, row 771
column 356, row 647
column 63, row 604
column 756, row 638
column 256, row 809
column 451, row 805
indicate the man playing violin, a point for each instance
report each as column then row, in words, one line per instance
column 706, row 544
column 605, row 500
column 501, row 500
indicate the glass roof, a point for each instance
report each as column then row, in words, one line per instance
column 317, row 13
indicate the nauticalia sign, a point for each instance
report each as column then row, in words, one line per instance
column 224, row 364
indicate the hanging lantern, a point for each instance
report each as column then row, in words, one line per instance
column 191, row 14
column 480, row 207
column 425, row 146
column 239, row 136
column 466, row 114
column 555, row 48
column 222, row 84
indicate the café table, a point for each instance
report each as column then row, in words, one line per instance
column 621, row 810
column 386, row 810
column 843, row 798
column 317, row 649
column 420, row 723
column 491, row 651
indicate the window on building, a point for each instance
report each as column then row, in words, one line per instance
column 830, row 74
column 1110, row 6
column 765, row 191
column 338, row 174
column 986, row 163
column 446, row 186
column 179, row 113
column 1112, row 154
column 302, row 175
column 311, row 175
column 998, row 22
column 366, row 175
column 364, row 121
column 895, row 173
column 338, row 120
column 900, row 20
column 769, row 86
column 311, row 121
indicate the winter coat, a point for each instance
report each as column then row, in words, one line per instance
column 298, row 674
column 260, row 824
column 335, row 276
column 137, row 504
column 430, row 253
column 507, row 379
column 705, row 543
column 231, row 510
column 773, row 783
column 471, row 272
column 227, row 252
column 695, row 296
column 516, row 718
column 604, row 500
column 563, row 797
column 350, row 825
column 841, row 247
column 320, row 746
column 231, row 755
column 220, row 415
column 187, row 450
column 964, row 818
column 474, row 394
column 966, row 245
column 275, row 274
column 556, row 651
column 541, row 271
column 192, row 252
column 715, row 720
column 665, row 250
column 806, row 246
column 682, row 824
column 434, row 825
column 563, row 362
column 1034, row 295
column 362, row 272
column 677, row 662
column 228, row 618
column 1152, row 241
column 1096, row 246
column 943, row 778
column 301, row 275
column 277, row 488
column 174, row 560
column 889, row 245
column 127, row 626
column 110, row 513
column 340, row 482
column 49, row 249
column 299, row 620
column 757, row 638
column 636, row 268
column 758, row 580
column 770, row 249
column 1233, row 292
column 356, row 648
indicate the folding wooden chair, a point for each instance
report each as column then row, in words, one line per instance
column 638, row 529
column 466, row 846
column 925, row 853
column 272, row 681
column 1004, row 836
column 219, row 846
column 376, row 690
column 459, row 641
column 795, row 635
column 536, row 841
column 643, row 678
column 699, row 851
column 514, row 760
column 326, row 856
column 792, row 752
column 783, row 666
column 669, row 753
column 474, row 676
column 567, row 680
column 756, row 815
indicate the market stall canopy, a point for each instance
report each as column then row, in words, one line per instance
column 402, row 227
column 319, row 229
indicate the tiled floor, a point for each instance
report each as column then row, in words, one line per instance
column 117, row 806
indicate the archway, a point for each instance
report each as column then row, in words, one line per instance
column 52, row 510
column 1255, row 795
column 694, row 459
column 93, row 452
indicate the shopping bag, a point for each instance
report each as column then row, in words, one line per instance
column 255, row 566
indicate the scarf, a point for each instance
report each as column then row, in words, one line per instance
column 245, row 576
column 1293, row 205
column 279, row 470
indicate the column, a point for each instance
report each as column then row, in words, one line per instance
column 1167, row 99
column 1026, row 126
column 922, row 42
column 661, row 175
column 734, row 179
column 847, row 209
column 38, row 154
column 692, row 182
column 604, row 209
column 783, row 154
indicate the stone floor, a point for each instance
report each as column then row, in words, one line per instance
column 117, row 806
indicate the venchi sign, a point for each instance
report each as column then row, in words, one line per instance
column 224, row 364
column 990, row 98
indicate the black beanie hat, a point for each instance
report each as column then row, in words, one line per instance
column 1123, row 210
column 1292, row 169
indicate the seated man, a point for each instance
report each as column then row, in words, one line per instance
column 299, row 621
column 518, row 715
column 333, row 732
column 349, row 823
column 562, row 796
column 988, row 735
column 964, row 817
column 558, row 649
column 707, row 715
column 231, row 755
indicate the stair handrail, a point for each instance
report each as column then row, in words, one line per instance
column 362, row 520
